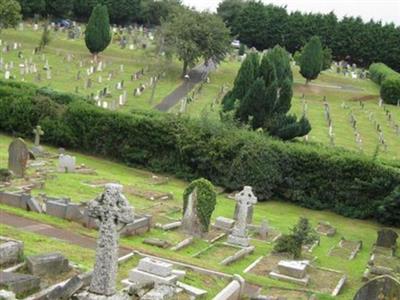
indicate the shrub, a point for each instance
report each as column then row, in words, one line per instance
column 378, row 72
column 312, row 176
column 390, row 90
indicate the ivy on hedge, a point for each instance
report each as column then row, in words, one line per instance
column 312, row 176
column 206, row 200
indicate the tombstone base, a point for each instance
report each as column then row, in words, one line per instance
column 92, row 296
column 238, row 240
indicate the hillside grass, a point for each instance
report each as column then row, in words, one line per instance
column 280, row 215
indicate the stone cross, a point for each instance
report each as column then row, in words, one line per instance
column 38, row 132
column 245, row 200
column 111, row 209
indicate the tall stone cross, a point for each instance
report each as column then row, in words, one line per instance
column 112, row 211
column 38, row 132
column 245, row 200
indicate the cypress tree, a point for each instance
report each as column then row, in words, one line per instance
column 98, row 34
column 254, row 105
column 311, row 59
column 246, row 75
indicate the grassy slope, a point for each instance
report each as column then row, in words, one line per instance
column 279, row 214
column 64, row 73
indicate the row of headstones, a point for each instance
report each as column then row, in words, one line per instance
column 347, row 70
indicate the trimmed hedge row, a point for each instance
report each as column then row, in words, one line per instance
column 308, row 175
column 388, row 79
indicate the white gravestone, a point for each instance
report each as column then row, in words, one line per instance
column 66, row 163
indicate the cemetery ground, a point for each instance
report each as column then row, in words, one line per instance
column 140, row 186
column 347, row 99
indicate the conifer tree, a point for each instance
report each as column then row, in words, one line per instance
column 247, row 74
column 98, row 34
column 311, row 59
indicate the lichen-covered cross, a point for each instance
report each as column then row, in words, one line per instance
column 245, row 200
column 38, row 132
column 112, row 210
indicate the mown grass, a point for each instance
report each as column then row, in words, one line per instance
column 280, row 216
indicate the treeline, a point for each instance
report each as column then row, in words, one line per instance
column 264, row 26
column 121, row 11
column 308, row 175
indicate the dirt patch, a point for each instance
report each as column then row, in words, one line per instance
column 288, row 294
column 323, row 281
column 346, row 249
column 267, row 264
column 364, row 98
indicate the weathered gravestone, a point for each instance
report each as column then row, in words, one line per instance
column 18, row 155
column 245, row 199
column 386, row 238
column 198, row 205
column 112, row 210
column 11, row 251
column 47, row 264
column 66, row 163
column 380, row 288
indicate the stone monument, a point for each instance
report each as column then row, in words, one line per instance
column 18, row 155
column 112, row 211
column 66, row 163
column 38, row 133
column 386, row 238
column 245, row 200
column 190, row 222
column 380, row 288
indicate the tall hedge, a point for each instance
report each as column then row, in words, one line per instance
column 308, row 175
column 389, row 80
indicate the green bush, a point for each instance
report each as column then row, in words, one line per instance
column 378, row 72
column 388, row 79
column 312, row 176
column 390, row 90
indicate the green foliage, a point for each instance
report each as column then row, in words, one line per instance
column 10, row 13
column 247, row 74
column 263, row 93
column 59, row 8
column 98, row 34
column 254, row 105
column 206, row 200
column 5, row 175
column 379, row 72
column 311, row 60
column 185, row 32
column 388, row 79
column 264, row 26
column 32, row 7
column 242, row 49
column 390, row 90
column 301, row 234
column 45, row 38
column 326, row 59
column 312, row 176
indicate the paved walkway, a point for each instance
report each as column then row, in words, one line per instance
column 51, row 231
column 196, row 75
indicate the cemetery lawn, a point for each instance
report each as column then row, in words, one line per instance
column 64, row 73
column 280, row 215
column 337, row 89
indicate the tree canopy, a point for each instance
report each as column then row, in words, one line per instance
column 262, row 93
column 191, row 35
column 311, row 59
column 10, row 13
column 98, row 34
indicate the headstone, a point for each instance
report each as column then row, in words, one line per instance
column 66, row 163
column 386, row 238
column 151, row 270
column 380, row 288
column 224, row 223
column 18, row 155
column 191, row 223
column 112, row 210
column 264, row 229
column 245, row 199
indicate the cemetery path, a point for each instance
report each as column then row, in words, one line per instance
column 196, row 75
column 51, row 231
